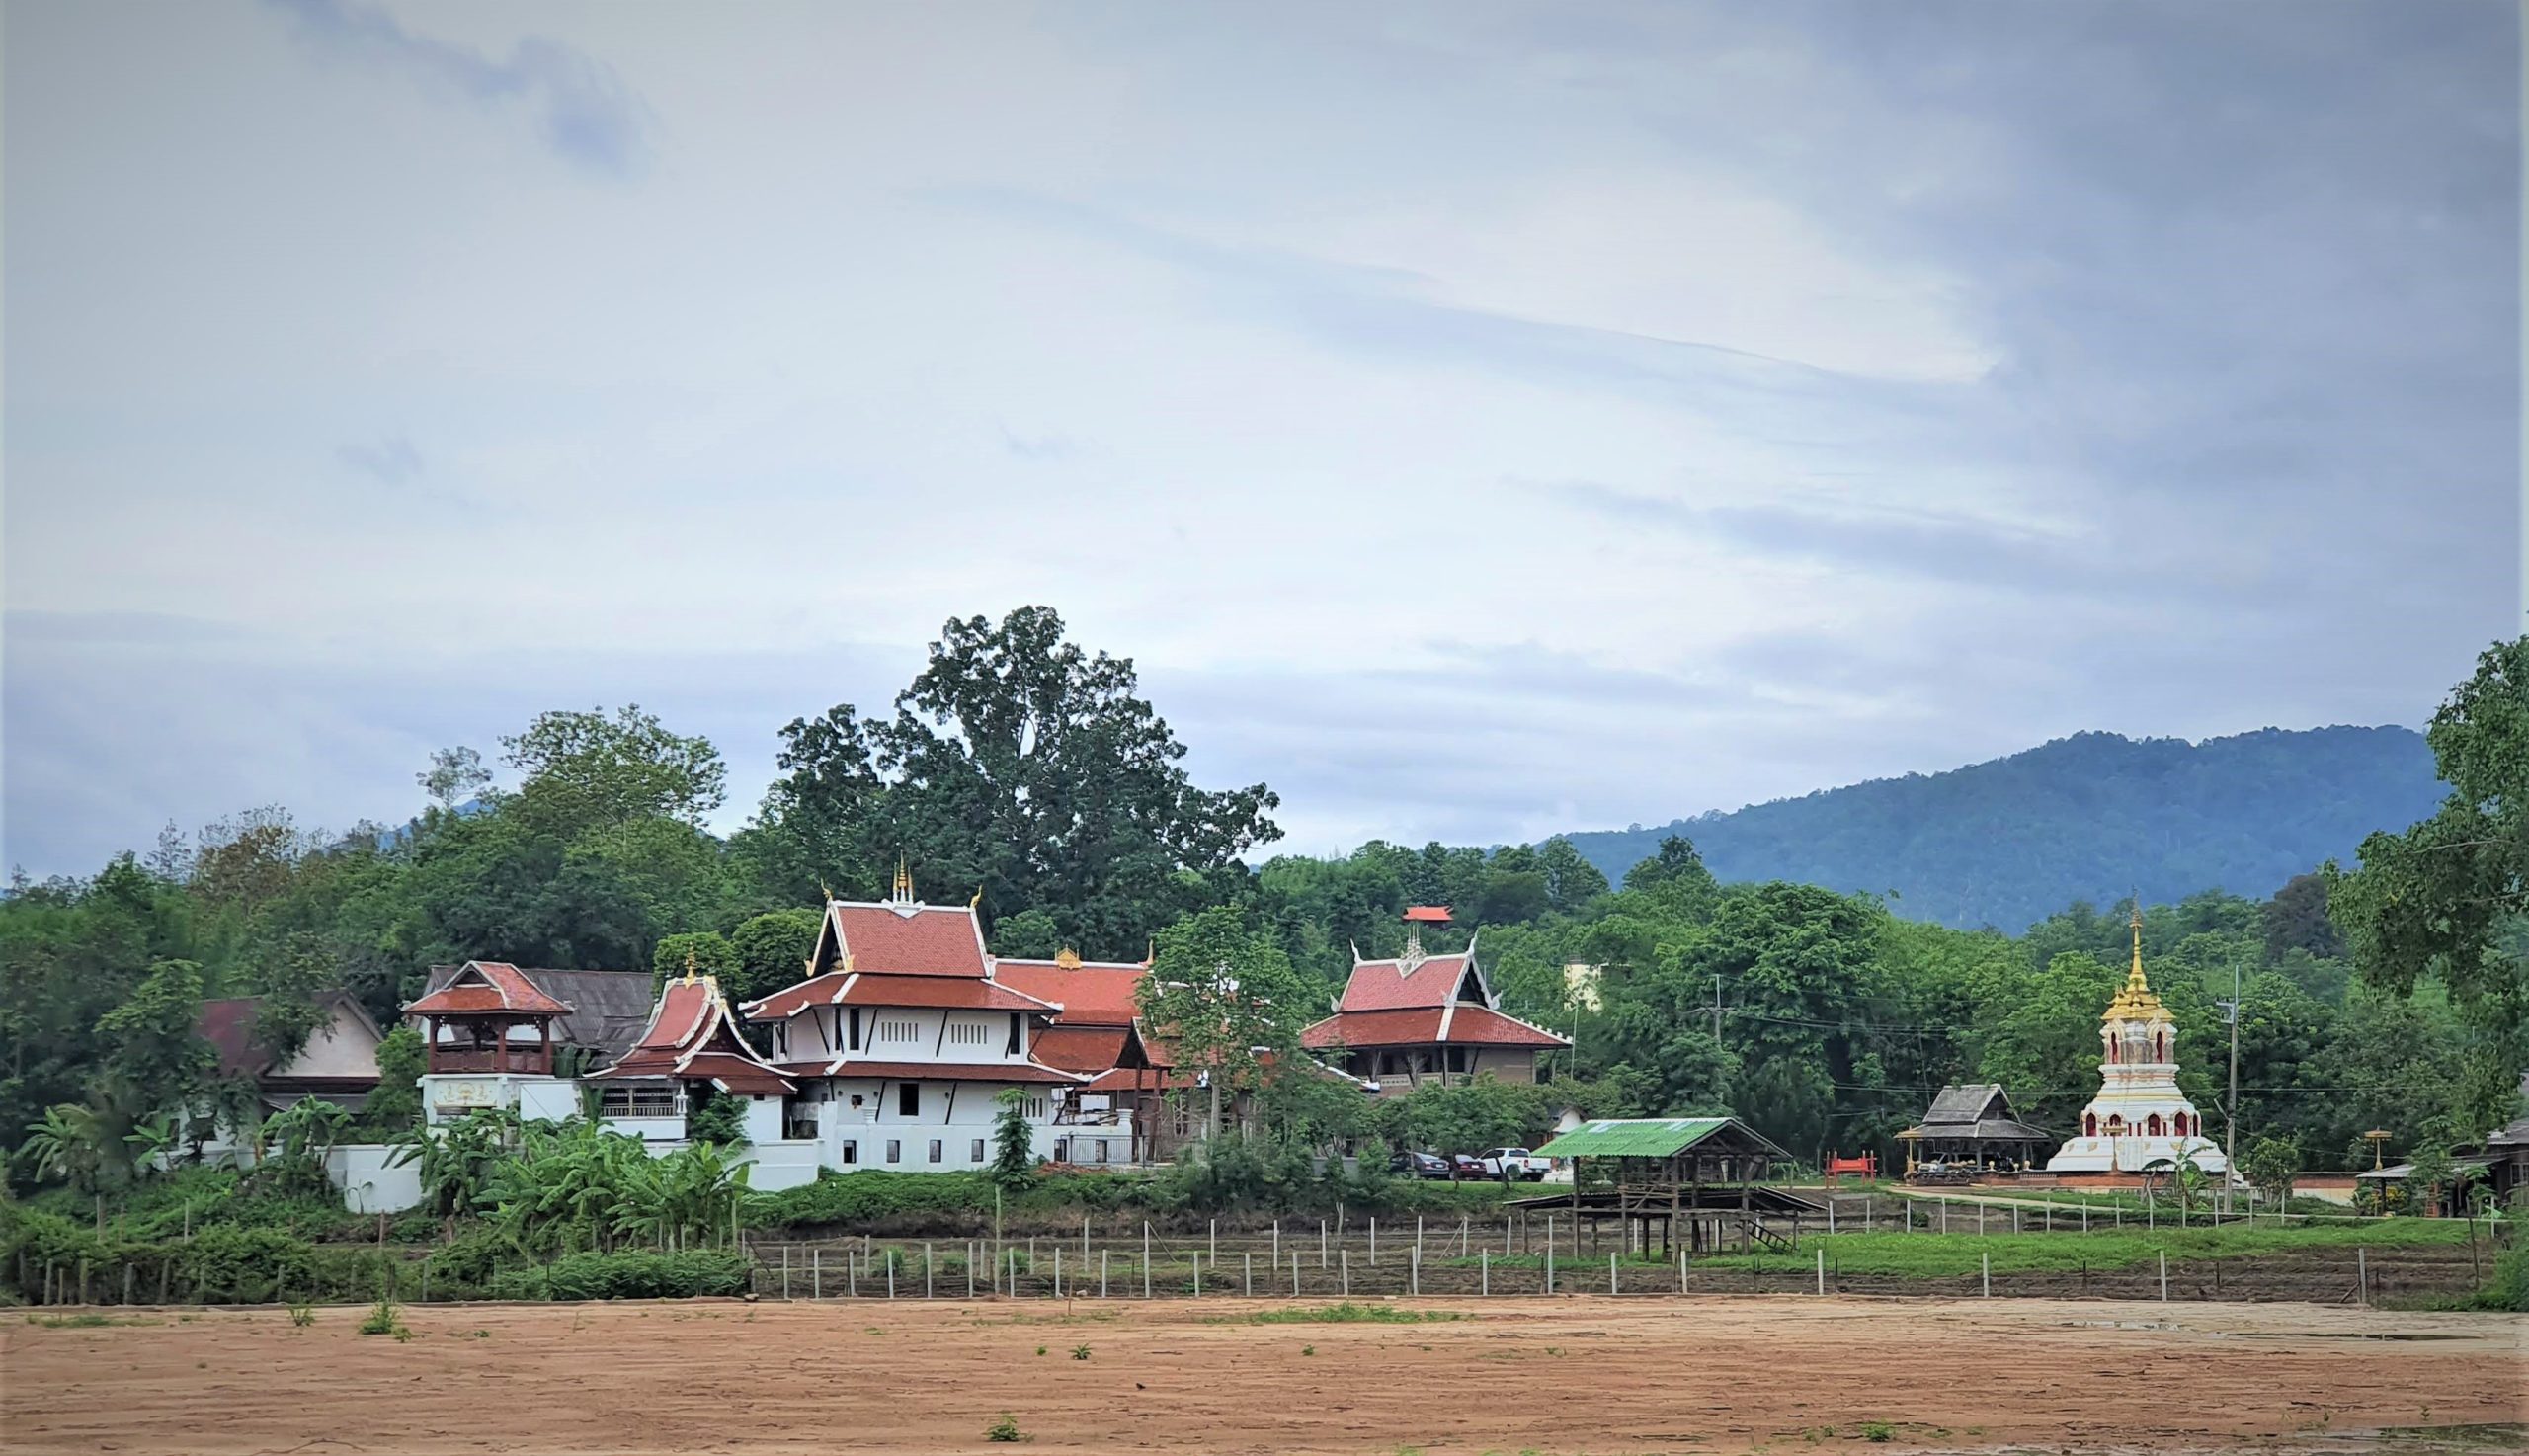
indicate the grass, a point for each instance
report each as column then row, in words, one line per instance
column 384, row 1321
column 1938, row 1255
column 302, row 1314
column 1347, row 1313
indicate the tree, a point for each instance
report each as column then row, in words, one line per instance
column 2269, row 1166
column 71, row 1143
column 703, row 953
column 396, row 1104
column 2295, row 918
column 771, row 951
column 1014, row 1141
column 578, row 770
column 1030, row 935
column 1023, row 767
column 455, row 774
column 151, row 1037
column 1570, row 881
column 1226, row 998
column 2433, row 901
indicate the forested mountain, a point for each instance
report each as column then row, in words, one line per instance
column 2094, row 817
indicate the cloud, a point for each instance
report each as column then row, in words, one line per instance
column 585, row 113
column 390, row 460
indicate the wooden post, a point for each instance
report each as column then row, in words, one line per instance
column 1822, row 1271
column 1611, row 1272
column 1248, row 1285
column 929, row 1272
column 1145, row 1258
column 1102, row 1273
column 1484, row 1262
column 2164, row 1276
column 816, row 1273
column 1549, row 1265
column 2361, row 1275
column 1345, row 1258
column 1321, row 1244
column 1295, row 1276
column 1987, row 1261
column 1058, row 1271
column 1375, row 1240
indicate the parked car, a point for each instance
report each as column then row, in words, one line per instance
column 1468, row 1166
column 1515, row 1164
column 1419, row 1165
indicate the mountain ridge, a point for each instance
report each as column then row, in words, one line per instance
column 2093, row 816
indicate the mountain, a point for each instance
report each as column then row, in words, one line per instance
column 2092, row 817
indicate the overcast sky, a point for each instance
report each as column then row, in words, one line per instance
column 1476, row 421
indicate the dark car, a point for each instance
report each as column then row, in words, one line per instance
column 1419, row 1165
column 1468, row 1166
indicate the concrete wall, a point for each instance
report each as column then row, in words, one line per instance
column 342, row 1047
column 368, row 1183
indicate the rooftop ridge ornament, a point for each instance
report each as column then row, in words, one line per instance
column 1067, row 958
column 690, row 968
column 2135, row 1000
column 901, row 892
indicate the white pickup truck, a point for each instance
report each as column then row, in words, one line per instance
column 1515, row 1164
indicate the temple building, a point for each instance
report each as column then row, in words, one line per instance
column 2140, row 1119
column 1426, row 1020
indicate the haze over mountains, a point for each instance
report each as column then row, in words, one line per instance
column 2092, row 817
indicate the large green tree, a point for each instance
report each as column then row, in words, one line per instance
column 1021, row 768
column 1223, row 997
column 2437, row 901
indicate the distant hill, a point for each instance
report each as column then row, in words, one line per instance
column 2091, row 817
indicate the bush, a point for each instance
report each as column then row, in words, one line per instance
column 636, row 1274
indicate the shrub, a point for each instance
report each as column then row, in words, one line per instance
column 1005, row 1429
column 380, row 1321
column 636, row 1274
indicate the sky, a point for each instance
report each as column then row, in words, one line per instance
column 1476, row 421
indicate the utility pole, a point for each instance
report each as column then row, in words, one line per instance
column 2230, row 1118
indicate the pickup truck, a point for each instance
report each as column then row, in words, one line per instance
column 1515, row 1164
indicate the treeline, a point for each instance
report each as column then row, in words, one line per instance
column 1024, row 772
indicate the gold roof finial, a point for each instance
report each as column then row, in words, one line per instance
column 904, row 883
column 2135, row 1000
column 1067, row 958
column 977, row 902
column 691, row 967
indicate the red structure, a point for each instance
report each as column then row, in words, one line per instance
column 1866, row 1165
column 468, row 1022
column 1422, row 1018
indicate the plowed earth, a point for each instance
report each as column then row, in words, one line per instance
column 1713, row 1374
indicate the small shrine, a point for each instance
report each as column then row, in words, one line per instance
column 2138, row 1121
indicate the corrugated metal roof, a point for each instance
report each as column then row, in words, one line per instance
column 1639, row 1137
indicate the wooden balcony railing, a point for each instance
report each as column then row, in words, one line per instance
column 528, row 1059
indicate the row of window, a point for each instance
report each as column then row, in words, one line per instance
column 2153, row 1127
column 1065, row 1150
column 846, row 1030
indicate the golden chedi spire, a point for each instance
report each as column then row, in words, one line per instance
column 2136, row 1001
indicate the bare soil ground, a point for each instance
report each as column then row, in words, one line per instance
column 1553, row 1375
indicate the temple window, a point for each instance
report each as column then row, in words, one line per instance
column 2152, row 1126
column 2089, row 1124
column 2160, row 1046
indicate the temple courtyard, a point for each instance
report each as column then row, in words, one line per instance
column 1712, row 1374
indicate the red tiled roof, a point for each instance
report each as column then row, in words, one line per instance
column 936, row 1071
column 738, row 1075
column 855, row 988
column 488, row 986
column 1095, row 993
column 692, row 1037
column 1387, row 986
column 1428, row 913
column 229, row 1026
column 920, row 940
column 1088, row 1049
column 1458, row 1025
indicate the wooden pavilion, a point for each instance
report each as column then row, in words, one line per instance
column 1691, row 1183
column 1970, row 1129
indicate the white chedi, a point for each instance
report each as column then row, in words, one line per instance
column 2140, row 1119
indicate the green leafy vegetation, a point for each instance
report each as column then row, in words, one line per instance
column 1005, row 1429
column 628, row 1275
column 1024, row 769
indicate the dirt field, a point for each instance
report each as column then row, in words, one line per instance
column 1562, row 1375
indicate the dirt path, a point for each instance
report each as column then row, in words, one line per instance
column 1718, row 1375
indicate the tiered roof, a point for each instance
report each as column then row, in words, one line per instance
column 488, row 987
column 901, row 952
column 692, row 1037
column 1418, row 999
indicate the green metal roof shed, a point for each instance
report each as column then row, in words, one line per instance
column 1659, row 1137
